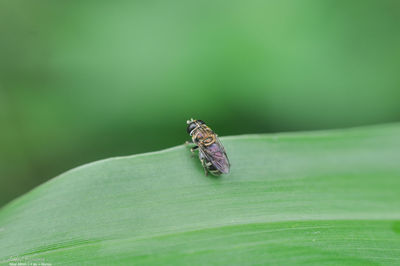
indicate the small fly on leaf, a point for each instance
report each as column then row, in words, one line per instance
column 211, row 152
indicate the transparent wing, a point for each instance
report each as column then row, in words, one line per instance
column 215, row 153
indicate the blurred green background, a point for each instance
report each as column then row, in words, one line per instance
column 86, row 80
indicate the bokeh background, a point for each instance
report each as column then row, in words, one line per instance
column 86, row 80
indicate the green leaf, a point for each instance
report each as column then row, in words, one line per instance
column 329, row 197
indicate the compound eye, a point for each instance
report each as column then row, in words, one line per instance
column 190, row 127
column 200, row 121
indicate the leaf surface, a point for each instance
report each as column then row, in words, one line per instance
column 326, row 197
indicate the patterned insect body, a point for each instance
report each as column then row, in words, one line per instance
column 211, row 152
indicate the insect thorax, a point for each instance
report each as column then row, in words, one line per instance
column 204, row 136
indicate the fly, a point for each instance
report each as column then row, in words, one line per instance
column 211, row 152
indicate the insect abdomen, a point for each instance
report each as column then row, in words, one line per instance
column 213, row 170
column 210, row 167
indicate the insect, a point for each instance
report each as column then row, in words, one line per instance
column 211, row 152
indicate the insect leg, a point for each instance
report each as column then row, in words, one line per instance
column 194, row 148
column 203, row 163
column 188, row 143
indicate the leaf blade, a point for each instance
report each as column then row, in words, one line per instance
column 109, row 211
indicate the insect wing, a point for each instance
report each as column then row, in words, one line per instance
column 215, row 153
